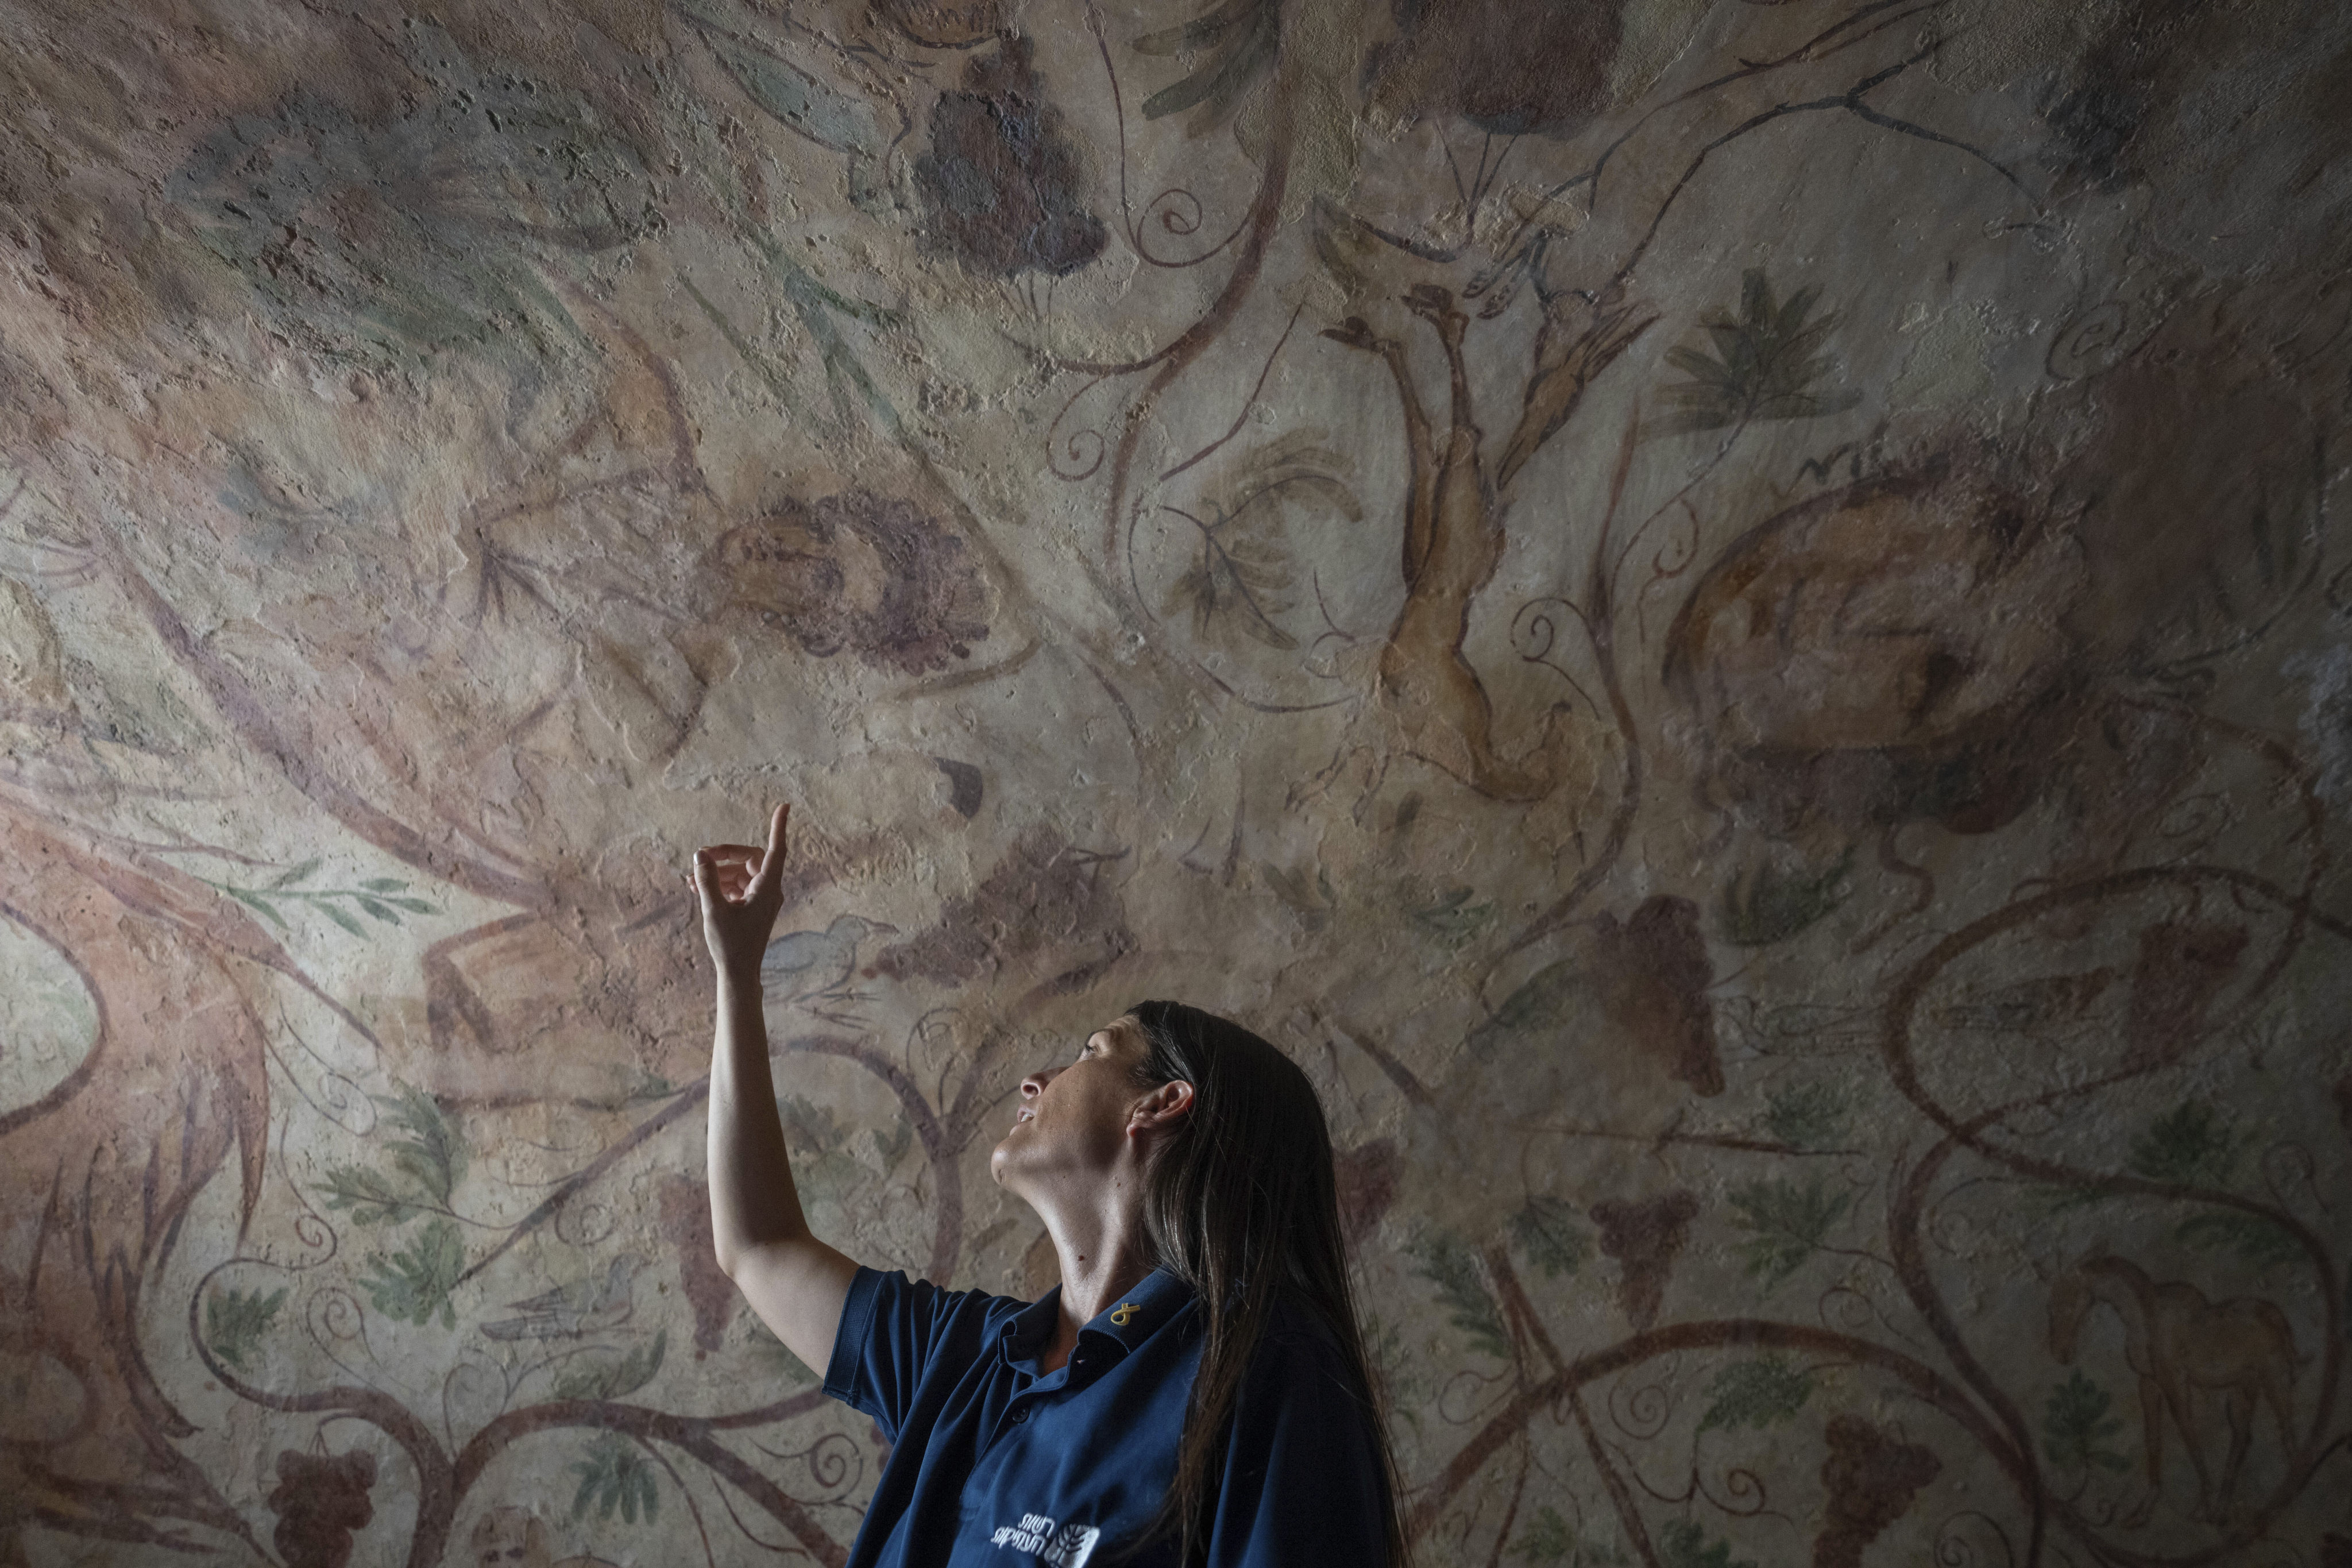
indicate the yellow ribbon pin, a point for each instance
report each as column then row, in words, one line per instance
column 1126, row 1310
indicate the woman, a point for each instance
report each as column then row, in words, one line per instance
column 1195, row 1389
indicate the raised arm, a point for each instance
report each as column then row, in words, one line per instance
column 795, row 1282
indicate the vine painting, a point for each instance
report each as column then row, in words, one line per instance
column 1726, row 617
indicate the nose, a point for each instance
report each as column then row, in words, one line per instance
column 1034, row 1084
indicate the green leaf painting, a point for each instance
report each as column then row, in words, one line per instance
column 1447, row 1262
column 433, row 1155
column 433, row 269
column 1313, row 899
column 1806, row 1115
column 235, row 1319
column 2192, row 1145
column 776, row 1362
column 427, row 1161
column 800, row 100
column 1765, row 904
column 413, row 1284
column 1537, row 1004
column 1766, row 363
column 813, row 1129
column 1239, row 579
column 1244, row 573
column 1453, row 919
column 810, row 1126
column 605, row 1377
column 2196, row 1145
column 2254, row 1241
column 2048, row 1198
column 1787, row 1224
column 2077, row 1427
column 380, row 898
column 650, row 1086
column 1760, row 1393
column 825, row 1163
column 1546, row 1537
column 1546, row 1231
column 368, row 1196
column 1234, row 47
column 616, row 1474
column 1683, row 1544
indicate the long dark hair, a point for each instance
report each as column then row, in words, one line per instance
column 1242, row 1204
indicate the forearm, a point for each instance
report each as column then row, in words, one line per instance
column 753, row 1199
column 793, row 1282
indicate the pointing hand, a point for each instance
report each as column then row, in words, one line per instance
column 741, row 888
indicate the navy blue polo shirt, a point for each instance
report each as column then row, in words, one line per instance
column 997, row 1464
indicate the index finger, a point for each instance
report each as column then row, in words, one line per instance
column 772, row 859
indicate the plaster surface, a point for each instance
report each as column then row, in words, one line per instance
column 1731, row 619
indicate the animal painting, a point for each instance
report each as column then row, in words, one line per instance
column 511, row 1536
column 2186, row 1350
column 816, row 969
column 573, row 1311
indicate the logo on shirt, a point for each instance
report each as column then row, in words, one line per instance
column 1067, row 1546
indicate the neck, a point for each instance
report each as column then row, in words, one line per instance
column 2119, row 1279
column 1091, row 1285
column 1098, row 1239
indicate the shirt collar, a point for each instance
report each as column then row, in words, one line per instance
column 1126, row 1322
column 1025, row 1333
column 1132, row 1319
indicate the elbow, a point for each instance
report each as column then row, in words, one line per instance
column 739, row 1250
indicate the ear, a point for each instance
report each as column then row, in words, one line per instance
column 1161, row 1110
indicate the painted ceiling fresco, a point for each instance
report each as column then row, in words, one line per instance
column 1723, row 615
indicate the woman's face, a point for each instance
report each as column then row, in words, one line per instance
column 1073, row 1119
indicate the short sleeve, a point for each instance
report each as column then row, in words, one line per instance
column 1305, row 1483
column 894, row 1332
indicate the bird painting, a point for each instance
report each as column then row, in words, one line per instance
column 573, row 1311
column 813, row 969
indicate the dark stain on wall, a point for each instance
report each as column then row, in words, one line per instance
column 1509, row 67
column 1653, row 974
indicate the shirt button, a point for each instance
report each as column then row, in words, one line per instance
column 1019, row 1415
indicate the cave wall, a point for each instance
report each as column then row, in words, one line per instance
column 1725, row 617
